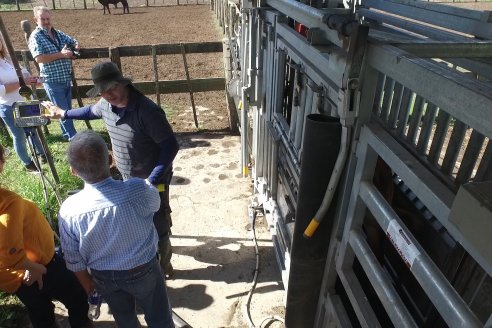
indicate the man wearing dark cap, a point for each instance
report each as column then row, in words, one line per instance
column 143, row 142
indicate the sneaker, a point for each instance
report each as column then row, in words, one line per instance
column 31, row 167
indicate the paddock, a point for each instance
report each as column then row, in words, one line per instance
column 147, row 26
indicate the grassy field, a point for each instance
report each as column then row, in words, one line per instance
column 29, row 186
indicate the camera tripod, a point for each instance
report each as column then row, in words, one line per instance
column 32, row 133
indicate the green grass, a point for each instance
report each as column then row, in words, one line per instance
column 29, row 186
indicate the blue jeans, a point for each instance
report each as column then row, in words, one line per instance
column 19, row 135
column 61, row 95
column 143, row 285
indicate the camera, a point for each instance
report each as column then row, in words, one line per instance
column 29, row 114
column 75, row 52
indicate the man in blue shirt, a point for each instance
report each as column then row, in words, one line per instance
column 108, row 228
column 143, row 142
column 53, row 50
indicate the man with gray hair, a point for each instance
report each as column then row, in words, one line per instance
column 54, row 51
column 108, row 228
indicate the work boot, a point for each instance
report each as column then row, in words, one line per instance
column 31, row 167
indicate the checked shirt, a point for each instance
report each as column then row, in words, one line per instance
column 60, row 70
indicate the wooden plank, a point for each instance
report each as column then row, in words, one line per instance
column 171, row 49
column 146, row 50
column 166, row 86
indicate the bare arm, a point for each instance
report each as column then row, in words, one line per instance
column 47, row 58
column 85, row 280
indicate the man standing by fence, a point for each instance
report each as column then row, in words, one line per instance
column 143, row 142
column 54, row 50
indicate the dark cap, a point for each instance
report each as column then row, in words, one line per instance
column 105, row 75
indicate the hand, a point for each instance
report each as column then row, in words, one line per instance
column 67, row 52
column 34, row 274
column 54, row 111
column 31, row 80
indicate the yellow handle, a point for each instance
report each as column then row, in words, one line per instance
column 311, row 229
column 161, row 187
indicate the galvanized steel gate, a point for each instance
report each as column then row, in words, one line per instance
column 401, row 220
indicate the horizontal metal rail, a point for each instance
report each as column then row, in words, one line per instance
column 444, row 297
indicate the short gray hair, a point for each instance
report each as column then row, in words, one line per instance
column 40, row 9
column 88, row 155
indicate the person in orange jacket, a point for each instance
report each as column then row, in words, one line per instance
column 29, row 266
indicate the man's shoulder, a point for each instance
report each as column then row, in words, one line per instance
column 36, row 33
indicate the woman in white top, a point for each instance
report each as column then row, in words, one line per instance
column 9, row 93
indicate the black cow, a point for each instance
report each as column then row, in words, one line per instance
column 105, row 4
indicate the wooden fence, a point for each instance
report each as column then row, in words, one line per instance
column 155, row 87
column 89, row 4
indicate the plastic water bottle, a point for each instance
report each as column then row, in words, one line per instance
column 94, row 305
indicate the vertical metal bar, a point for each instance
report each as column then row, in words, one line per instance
column 294, row 108
column 395, row 106
column 156, row 75
column 404, row 112
column 470, row 157
column 356, row 210
column 413, row 129
column 426, row 131
column 379, row 94
column 442, row 125
column 301, row 117
column 484, row 171
column 389, row 85
column 453, row 149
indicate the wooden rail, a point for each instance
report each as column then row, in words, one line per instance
column 157, row 86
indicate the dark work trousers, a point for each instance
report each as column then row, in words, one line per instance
column 58, row 283
column 163, row 223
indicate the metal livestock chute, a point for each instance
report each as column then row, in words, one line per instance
column 366, row 129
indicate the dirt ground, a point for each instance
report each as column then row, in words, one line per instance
column 144, row 26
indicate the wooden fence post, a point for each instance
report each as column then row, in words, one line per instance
column 156, row 75
column 190, row 88
column 114, row 55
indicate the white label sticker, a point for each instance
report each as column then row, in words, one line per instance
column 402, row 243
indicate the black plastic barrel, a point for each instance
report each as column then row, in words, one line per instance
column 320, row 147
